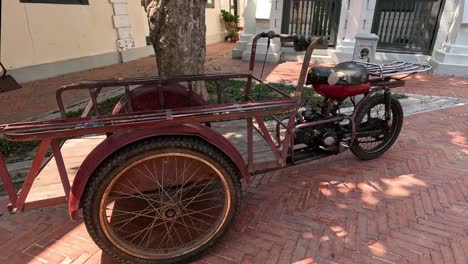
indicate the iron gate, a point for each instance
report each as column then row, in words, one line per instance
column 312, row 17
column 407, row 25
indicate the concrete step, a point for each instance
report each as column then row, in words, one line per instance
column 237, row 53
column 321, row 52
column 272, row 57
column 246, row 37
column 243, row 45
column 262, row 47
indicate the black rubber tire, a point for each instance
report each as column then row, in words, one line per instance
column 103, row 175
column 397, row 123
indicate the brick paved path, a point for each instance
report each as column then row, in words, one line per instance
column 410, row 206
column 38, row 97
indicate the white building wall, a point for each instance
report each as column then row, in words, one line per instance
column 356, row 17
column 44, row 40
column 34, row 33
column 445, row 23
column 450, row 46
column 452, row 57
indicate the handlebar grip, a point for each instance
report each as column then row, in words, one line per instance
column 300, row 38
column 269, row 34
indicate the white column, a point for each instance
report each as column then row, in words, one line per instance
column 122, row 25
column 452, row 57
column 355, row 18
column 260, row 16
column 266, row 17
column 248, row 15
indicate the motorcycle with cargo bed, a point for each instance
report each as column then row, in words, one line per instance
column 157, row 183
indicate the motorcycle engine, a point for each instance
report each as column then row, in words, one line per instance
column 322, row 137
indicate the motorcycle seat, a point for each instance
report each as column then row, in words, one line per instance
column 346, row 73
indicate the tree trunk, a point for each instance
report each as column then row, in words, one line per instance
column 177, row 29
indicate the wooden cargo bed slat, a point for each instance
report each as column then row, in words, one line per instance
column 47, row 185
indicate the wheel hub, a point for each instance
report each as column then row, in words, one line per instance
column 170, row 212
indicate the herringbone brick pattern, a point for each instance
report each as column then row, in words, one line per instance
column 410, row 206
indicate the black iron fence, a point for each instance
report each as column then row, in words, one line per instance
column 408, row 26
column 312, row 17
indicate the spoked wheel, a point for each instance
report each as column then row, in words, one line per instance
column 161, row 201
column 375, row 135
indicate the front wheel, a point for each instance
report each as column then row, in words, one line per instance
column 161, row 200
column 374, row 134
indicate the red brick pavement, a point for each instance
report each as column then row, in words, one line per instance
column 38, row 97
column 409, row 206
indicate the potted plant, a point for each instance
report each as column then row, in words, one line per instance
column 234, row 35
column 230, row 22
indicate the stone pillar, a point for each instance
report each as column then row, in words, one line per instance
column 266, row 20
column 122, row 25
column 246, row 37
column 452, row 57
column 356, row 17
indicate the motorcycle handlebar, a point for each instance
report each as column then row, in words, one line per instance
column 301, row 43
column 272, row 34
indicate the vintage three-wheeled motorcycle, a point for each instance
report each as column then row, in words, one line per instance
column 158, row 184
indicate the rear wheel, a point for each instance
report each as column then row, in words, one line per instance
column 377, row 134
column 161, row 200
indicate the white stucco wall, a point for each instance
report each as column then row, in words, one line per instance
column 452, row 57
column 46, row 40
column 35, row 33
column 446, row 21
column 356, row 17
